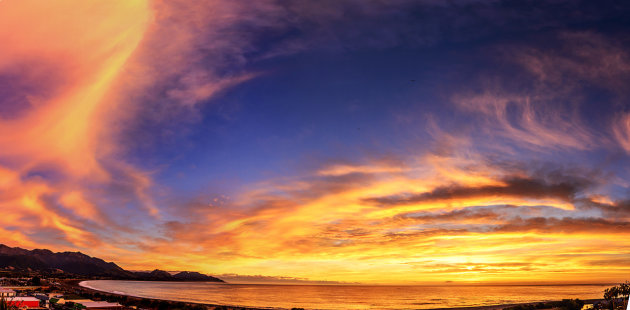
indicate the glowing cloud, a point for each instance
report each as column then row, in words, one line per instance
column 57, row 140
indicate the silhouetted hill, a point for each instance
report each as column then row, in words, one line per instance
column 80, row 264
column 161, row 275
column 21, row 262
column 195, row 276
column 155, row 275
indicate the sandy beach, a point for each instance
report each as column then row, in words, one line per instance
column 74, row 287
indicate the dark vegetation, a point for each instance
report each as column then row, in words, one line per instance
column 617, row 296
column 565, row 304
column 5, row 306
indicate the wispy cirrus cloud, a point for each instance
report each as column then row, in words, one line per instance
column 621, row 130
column 542, row 107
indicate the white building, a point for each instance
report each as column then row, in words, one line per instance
column 5, row 292
column 23, row 302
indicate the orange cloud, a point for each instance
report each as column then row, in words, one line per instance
column 78, row 80
column 88, row 54
column 58, row 141
column 430, row 230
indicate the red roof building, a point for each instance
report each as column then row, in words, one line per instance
column 23, row 302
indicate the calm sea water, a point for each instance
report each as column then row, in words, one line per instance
column 345, row 296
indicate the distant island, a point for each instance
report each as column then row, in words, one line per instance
column 72, row 264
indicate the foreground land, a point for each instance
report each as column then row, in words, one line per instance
column 557, row 305
column 72, row 286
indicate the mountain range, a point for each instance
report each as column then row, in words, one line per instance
column 79, row 264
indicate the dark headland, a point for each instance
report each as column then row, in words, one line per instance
column 79, row 265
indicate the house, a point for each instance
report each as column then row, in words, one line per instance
column 23, row 302
column 6, row 292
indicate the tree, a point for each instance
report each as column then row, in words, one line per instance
column 619, row 291
column 4, row 305
column 36, row 281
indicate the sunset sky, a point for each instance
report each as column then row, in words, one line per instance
column 371, row 141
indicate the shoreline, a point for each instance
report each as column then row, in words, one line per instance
column 74, row 285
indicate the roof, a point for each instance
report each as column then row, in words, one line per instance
column 23, row 298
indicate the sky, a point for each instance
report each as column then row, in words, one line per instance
column 384, row 142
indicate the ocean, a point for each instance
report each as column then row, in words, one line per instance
column 346, row 296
